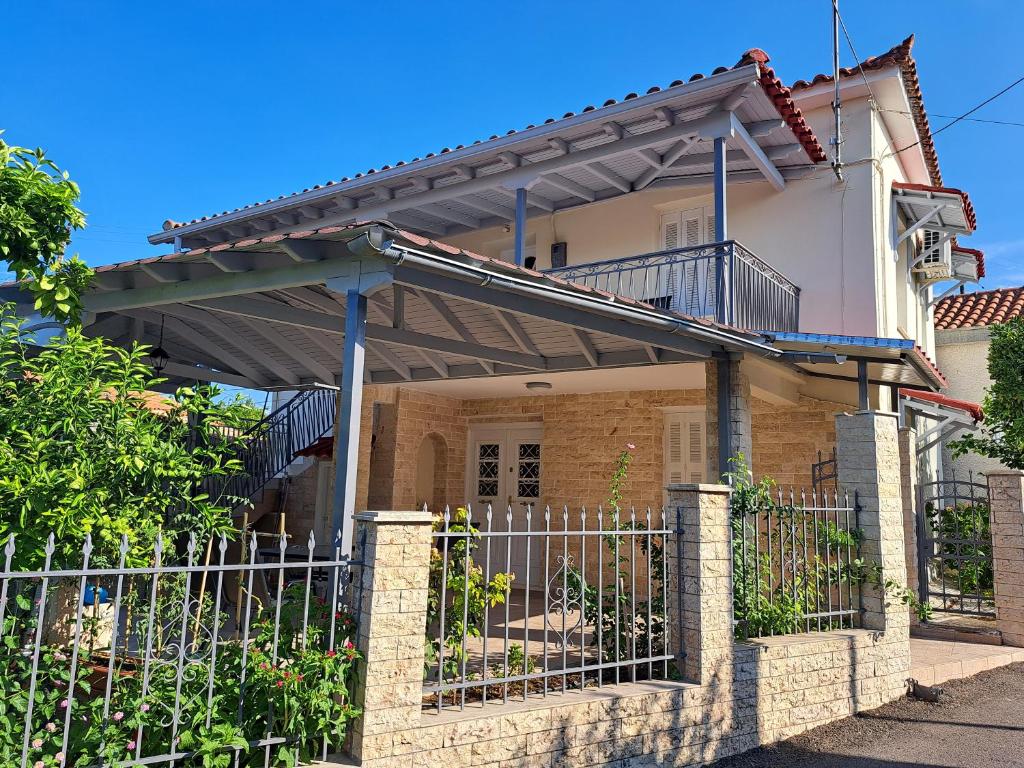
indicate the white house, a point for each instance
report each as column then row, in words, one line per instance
column 681, row 268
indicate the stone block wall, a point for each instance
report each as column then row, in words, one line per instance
column 583, row 434
column 734, row 696
column 1006, row 503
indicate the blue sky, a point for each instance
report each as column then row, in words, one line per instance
column 176, row 110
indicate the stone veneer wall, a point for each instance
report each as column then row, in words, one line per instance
column 780, row 688
column 583, row 434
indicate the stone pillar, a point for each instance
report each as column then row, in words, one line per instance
column 701, row 564
column 867, row 449
column 741, row 437
column 908, row 478
column 1006, row 506
column 392, row 623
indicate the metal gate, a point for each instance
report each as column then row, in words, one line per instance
column 955, row 546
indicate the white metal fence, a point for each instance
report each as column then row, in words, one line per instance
column 529, row 602
column 173, row 657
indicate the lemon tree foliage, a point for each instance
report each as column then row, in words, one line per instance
column 38, row 213
column 81, row 453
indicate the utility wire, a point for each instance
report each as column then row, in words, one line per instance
column 964, row 119
column 966, row 114
column 853, row 50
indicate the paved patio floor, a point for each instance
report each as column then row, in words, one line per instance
column 936, row 661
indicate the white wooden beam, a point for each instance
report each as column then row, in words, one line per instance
column 672, row 154
column 443, row 311
column 434, row 361
column 586, row 345
column 212, row 324
column 608, row 175
column 199, row 373
column 517, row 332
column 570, row 186
column 164, row 273
column 393, row 361
column 443, row 212
column 198, row 338
column 264, row 313
column 486, row 206
column 226, row 261
column 289, row 349
column 303, row 250
column 757, row 155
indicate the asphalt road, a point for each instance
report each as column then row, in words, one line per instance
column 979, row 723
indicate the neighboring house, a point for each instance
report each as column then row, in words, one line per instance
column 963, row 324
column 534, row 301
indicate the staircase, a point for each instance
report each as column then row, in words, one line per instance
column 267, row 447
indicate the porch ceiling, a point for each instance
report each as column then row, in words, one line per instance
column 261, row 313
column 662, row 137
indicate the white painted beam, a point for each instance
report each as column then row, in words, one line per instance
column 586, row 345
column 757, row 155
column 393, row 361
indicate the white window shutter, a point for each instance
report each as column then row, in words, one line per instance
column 685, row 448
column 696, row 448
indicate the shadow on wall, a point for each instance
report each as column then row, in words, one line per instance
column 431, row 472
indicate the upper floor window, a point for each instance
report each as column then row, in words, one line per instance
column 689, row 227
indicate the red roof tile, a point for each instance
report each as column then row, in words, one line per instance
column 979, row 309
column 776, row 90
column 939, row 399
column 898, row 56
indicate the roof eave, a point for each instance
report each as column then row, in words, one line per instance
column 747, row 72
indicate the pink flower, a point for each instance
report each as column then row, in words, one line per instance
column 60, row 656
column 37, row 743
column 331, row 654
column 144, row 708
column 348, row 644
column 64, row 704
column 631, row 446
column 118, row 717
column 59, row 757
column 39, row 764
column 130, row 744
column 51, row 727
column 280, row 683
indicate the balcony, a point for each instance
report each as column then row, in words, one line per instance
column 717, row 281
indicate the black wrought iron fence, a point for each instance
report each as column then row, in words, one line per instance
column 526, row 603
column 796, row 565
column 954, row 538
column 192, row 654
column 719, row 281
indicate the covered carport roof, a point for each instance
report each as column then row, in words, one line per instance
column 886, row 361
column 270, row 312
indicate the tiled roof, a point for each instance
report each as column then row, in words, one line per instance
column 973, row 409
column 775, row 89
column 976, row 310
column 403, row 237
column 972, row 220
column 898, row 56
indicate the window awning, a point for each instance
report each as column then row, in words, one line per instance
column 940, row 209
column 947, row 416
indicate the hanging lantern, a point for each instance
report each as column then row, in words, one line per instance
column 158, row 357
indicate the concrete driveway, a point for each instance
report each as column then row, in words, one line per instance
column 978, row 724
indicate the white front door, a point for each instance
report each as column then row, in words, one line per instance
column 505, row 472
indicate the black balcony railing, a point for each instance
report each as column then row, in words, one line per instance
column 718, row 281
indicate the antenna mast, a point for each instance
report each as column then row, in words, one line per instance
column 837, row 140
